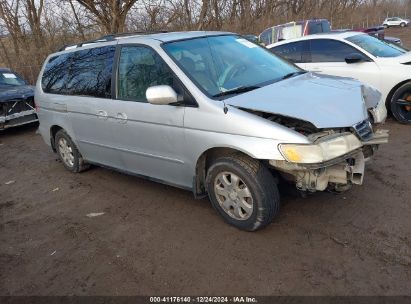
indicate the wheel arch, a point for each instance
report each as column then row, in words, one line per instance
column 53, row 131
column 392, row 92
column 203, row 163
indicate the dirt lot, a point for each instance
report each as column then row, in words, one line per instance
column 404, row 34
column 154, row 239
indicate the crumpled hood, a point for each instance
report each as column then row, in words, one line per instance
column 324, row 101
column 12, row 92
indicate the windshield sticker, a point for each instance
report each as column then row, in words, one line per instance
column 9, row 75
column 246, row 43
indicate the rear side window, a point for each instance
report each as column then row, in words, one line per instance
column 326, row 26
column 90, row 72
column 266, row 37
column 140, row 68
column 55, row 74
column 290, row 51
column 327, row 50
column 316, row 27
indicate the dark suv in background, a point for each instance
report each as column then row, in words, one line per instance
column 16, row 100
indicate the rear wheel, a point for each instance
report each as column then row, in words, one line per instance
column 243, row 191
column 401, row 104
column 68, row 153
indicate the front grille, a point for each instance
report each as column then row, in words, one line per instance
column 17, row 106
column 364, row 130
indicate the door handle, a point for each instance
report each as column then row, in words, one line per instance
column 122, row 117
column 102, row 114
column 316, row 69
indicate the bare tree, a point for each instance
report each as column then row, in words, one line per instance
column 203, row 14
column 9, row 14
column 77, row 19
column 109, row 14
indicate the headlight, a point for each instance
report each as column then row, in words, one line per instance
column 320, row 152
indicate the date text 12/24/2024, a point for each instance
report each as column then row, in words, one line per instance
column 203, row 300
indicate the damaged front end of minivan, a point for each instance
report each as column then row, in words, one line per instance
column 334, row 161
column 335, row 154
column 336, row 158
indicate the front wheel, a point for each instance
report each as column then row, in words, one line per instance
column 403, row 24
column 243, row 191
column 401, row 104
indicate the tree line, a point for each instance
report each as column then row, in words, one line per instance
column 31, row 29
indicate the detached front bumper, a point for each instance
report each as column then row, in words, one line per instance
column 335, row 174
column 338, row 175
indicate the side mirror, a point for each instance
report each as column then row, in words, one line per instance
column 161, row 95
column 355, row 58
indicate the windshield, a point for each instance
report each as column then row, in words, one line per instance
column 375, row 46
column 9, row 78
column 218, row 64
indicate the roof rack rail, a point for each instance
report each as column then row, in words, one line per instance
column 109, row 37
column 119, row 35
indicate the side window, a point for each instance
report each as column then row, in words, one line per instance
column 90, row 72
column 326, row 26
column 140, row 68
column 327, row 50
column 266, row 37
column 290, row 51
column 55, row 74
column 315, row 27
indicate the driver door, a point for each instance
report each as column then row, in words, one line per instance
column 150, row 137
column 328, row 57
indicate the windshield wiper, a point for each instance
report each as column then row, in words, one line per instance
column 293, row 74
column 237, row 90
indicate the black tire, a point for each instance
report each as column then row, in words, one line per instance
column 260, row 183
column 399, row 104
column 78, row 164
column 403, row 24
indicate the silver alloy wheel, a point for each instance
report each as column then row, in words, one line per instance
column 233, row 195
column 66, row 152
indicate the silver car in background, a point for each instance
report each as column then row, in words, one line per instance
column 210, row 112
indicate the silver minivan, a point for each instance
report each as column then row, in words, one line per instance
column 210, row 112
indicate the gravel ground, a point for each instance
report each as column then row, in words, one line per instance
column 154, row 239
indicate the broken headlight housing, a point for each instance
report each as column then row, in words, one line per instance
column 320, row 152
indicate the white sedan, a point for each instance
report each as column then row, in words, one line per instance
column 396, row 21
column 382, row 65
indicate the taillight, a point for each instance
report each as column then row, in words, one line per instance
column 36, row 107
